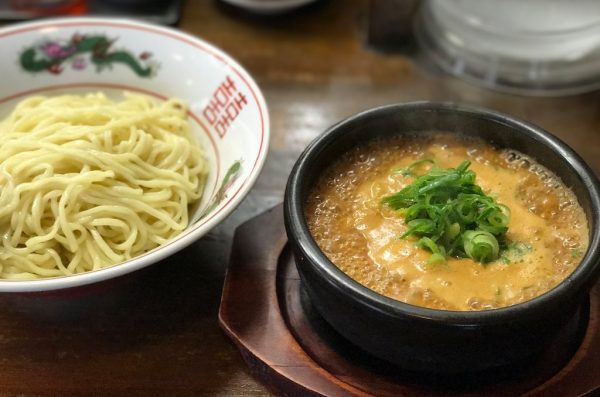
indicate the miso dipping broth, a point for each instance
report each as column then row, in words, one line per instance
column 446, row 222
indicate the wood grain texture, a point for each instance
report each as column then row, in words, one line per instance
column 155, row 333
column 249, row 314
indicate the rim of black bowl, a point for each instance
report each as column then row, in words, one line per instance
column 294, row 206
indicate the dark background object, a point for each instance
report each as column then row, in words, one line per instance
column 165, row 12
column 390, row 26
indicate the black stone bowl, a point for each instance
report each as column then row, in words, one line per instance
column 424, row 339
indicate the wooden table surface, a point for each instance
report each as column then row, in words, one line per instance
column 155, row 333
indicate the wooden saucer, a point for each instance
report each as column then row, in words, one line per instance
column 290, row 348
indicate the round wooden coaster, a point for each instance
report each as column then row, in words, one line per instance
column 289, row 347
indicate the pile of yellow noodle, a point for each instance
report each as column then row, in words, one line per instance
column 86, row 182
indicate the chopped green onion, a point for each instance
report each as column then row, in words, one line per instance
column 453, row 230
column 438, row 254
column 514, row 251
column 451, row 215
column 409, row 171
column 436, row 259
column 480, row 245
column 419, row 226
column 426, row 242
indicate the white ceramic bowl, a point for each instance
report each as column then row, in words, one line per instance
column 227, row 110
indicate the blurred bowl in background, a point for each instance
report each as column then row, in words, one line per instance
column 268, row 6
column 536, row 47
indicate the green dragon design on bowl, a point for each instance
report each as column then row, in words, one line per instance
column 82, row 50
